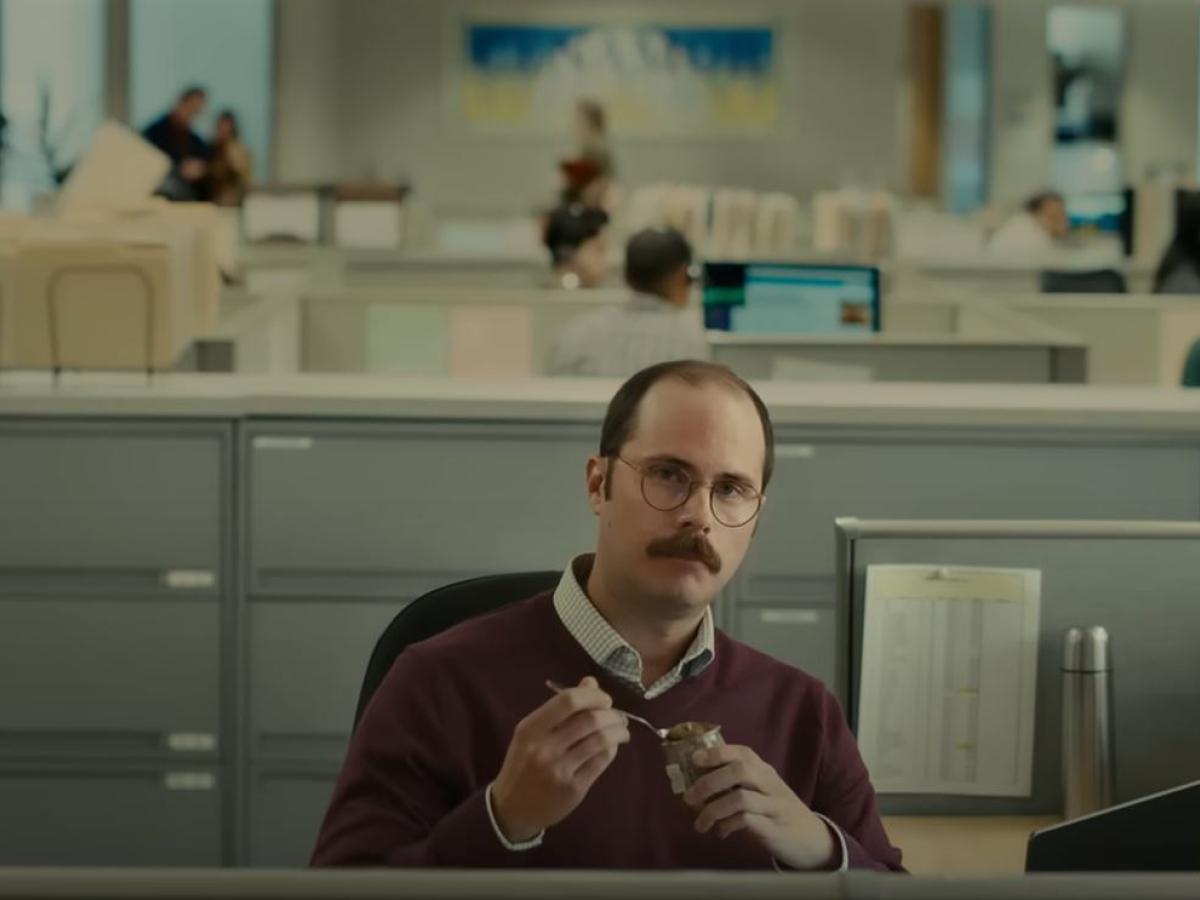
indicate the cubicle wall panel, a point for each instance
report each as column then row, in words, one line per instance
column 819, row 481
column 359, row 510
column 100, row 677
column 95, row 817
column 136, row 507
column 307, row 661
column 805, row 637
column 1144, row 592
column 286, row 810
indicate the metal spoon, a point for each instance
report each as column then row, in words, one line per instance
column 661, row 733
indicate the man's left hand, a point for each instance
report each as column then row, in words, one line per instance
column 743, row 792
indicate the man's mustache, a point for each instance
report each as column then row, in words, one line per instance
column 687, row 545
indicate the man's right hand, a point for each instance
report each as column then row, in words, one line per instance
column 556, row 754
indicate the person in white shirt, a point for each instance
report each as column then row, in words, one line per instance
column 1034, row 233
column 658, row 324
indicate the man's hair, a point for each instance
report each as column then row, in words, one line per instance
column 652, row 255
column 1035, row 203
column 621, row 418
column 570, row 226
column 191, row 92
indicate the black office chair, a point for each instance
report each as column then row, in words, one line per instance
column 436, row 611
column 1095, row 281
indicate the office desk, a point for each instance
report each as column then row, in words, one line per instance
column 977, row 845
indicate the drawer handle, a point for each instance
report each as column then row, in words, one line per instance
column 280, row 442
column 189, row 579
column 790, row 617
column 795, row 451
column 189, row 781
column 191, row 742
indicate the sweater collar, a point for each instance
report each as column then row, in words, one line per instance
column 612, row 652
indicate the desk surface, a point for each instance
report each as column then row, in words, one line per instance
column 982, row 845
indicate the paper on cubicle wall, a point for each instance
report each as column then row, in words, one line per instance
column 948, row 684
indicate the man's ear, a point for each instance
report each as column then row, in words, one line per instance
column 597, row 471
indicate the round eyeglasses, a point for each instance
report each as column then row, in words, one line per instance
column 667, row 486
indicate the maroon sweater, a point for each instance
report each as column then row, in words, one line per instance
column 411, row 791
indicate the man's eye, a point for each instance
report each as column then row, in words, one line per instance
column 668, row 474
column 731, row 490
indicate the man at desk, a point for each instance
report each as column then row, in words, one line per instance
column 656, row 324
column 1035, row 232
column 464, row 757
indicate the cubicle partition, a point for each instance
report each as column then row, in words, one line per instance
column 28, row 884
column 1131, row 339
column 193, row 572
column 1140, row 580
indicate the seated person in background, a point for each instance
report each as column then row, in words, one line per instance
column 577, row 238
column 1179, row 271
column 464, row 757
column 172, row 134
column 656, row 324
column 1035, row 232
column 1191, row 368
column 230, row 170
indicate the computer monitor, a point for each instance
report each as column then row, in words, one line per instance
column 791, row 298
column 1159, row 833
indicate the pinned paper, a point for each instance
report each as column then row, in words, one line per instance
column 949, row 676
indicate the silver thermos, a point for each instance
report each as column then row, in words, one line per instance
column 1087, row 737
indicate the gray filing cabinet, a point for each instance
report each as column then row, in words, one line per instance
column 113, row 602
column 348, row 522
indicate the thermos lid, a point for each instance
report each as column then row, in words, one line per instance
column 1086, row 650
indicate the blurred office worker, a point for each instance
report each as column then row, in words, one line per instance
column 1179, row 270
column 230, row 168
column 464, row 757
column 1036, row 231
column 173, row 134
column 589, row 177
column 656, row 325
column 577, row 238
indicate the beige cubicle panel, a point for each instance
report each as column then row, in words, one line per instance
column 438, row 331
column 87, row 305
column 937, row 358
column 1133, row 340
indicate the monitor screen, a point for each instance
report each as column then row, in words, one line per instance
column 791, row 298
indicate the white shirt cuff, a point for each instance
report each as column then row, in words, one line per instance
column 841, row 839
column 535, row 841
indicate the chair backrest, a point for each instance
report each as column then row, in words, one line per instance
column 438, row 610
column 1097, row 281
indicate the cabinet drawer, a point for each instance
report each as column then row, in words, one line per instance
column 362, row 513
column 98, row 676
column 138, row 507
column 805, row 637
column 97, row 818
